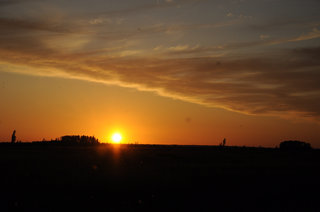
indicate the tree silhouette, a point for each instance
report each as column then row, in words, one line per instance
column 77, row 139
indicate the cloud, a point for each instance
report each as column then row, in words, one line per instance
column 147, row 7
column 279, row 83
column 264, row 37
column 230, row 15
column 102, row 20
column 11, row 2
column 167, row 29
column 315, row 33
column 252, row 85
column 280, row 23
column 10, row 24
column 214, row 50
column 182, row 48
column 186, row 50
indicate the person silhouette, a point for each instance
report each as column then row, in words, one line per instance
column 13, row 137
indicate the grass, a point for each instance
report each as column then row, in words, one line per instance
column 157, row 178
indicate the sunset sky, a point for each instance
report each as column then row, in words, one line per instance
column 161, row 71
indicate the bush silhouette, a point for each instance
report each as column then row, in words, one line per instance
column 295, row 145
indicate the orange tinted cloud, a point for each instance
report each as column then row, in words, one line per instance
column 279, row 83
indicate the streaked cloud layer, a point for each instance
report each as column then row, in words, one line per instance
column 245, row 56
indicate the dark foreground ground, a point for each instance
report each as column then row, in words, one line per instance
column 157, row 178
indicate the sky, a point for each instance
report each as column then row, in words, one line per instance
column 161, row 71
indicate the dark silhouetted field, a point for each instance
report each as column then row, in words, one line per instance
column 38, row 177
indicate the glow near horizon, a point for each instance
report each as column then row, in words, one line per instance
column 222, row 54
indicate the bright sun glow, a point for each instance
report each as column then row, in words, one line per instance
column 116, row 138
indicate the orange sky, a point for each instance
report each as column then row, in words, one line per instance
column 165, row 72
column 42, row 107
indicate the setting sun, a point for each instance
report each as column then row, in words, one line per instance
column 116, row 138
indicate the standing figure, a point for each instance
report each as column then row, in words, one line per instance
column 223, row 143
column 13, row 137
